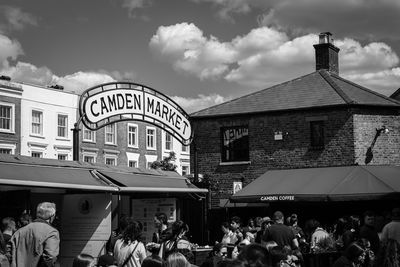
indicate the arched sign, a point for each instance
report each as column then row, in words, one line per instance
column 124, row 101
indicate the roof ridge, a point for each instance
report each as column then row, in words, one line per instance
column 254, row 93
column 326, row 75
column 367, row 90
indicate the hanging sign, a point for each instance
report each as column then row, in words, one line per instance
column 121, row 101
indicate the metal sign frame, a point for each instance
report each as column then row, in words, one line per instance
column 142, row 116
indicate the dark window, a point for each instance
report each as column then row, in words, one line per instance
column 235, row 144
column 317, row 134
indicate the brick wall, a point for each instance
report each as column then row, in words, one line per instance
column 294, row 150
column 13, row 138
column 386, row 150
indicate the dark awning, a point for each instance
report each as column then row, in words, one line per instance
column 156, row 182
column 323, row 184
column 17, row 174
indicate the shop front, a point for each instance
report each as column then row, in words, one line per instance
column 90, row 198
column 326, row 194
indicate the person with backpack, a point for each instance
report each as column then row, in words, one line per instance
column 129, row 251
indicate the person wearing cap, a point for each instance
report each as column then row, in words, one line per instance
column 392, row 229
column 280, row 233
column 266, row 222
column 38, row 243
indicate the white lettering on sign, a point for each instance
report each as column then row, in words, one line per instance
column 277, row 198
column 136, row 103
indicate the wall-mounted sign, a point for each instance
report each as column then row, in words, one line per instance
column 277, row 198
column 122, row 101
column 237, row 186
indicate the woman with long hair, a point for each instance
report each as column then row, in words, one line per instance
column 84, row 260
column 129, row 251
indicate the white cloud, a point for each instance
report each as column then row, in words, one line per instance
column 372, row 57
column 15, row 19
column 191, row 105
column 9, row 49
column 266, row 56
column 29, row 73
column 80, row 81
column 190, row 51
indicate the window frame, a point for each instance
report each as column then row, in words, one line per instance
column 136, row 163
column 89, row 155
column 186, row 150
column 170, row 142
column 316, row 144
column 114, row 134
column 65, row 127
column 224, row 158
column 62, row 154
column 11, row 147
column 88, row 140
column 41, row 126
column 12, row 117
column 154, row 147
column 136, row 135
column 113, row 157
column 37, row 152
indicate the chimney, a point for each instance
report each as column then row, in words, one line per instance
column 326, row 54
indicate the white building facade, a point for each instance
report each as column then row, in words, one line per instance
column 47, row 117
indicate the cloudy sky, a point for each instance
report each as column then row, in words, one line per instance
column 199, row 52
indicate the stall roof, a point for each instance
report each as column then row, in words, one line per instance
column 20, row 171
column 28, row 171
column 323, row 184
column 156, row 182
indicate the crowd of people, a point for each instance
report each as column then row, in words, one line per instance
column 276, row 242
column 353, row 240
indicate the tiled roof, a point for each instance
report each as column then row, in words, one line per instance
column 318, row 89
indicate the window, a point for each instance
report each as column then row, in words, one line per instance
column 35, row 154
column 89, row 159
column 151, row 138
column 317, row 134
column 132, row 135
column 235, row 144
column 62, row 156
column 37, row 122
column 5, row 151
column 132, row 163
column 62, row 126
column 6, row 117
column 89, row 135
column 110, row 134
column 168, row 141
column 149, row 165
column 111, row 161
column 7, row 148
column 185, row 170
column 185, row 148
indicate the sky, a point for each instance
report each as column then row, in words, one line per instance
column 198, row 52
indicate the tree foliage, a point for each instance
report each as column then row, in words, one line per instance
column 165, row 164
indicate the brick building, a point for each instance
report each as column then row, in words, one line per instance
column 10, row 116
column 317, row 120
